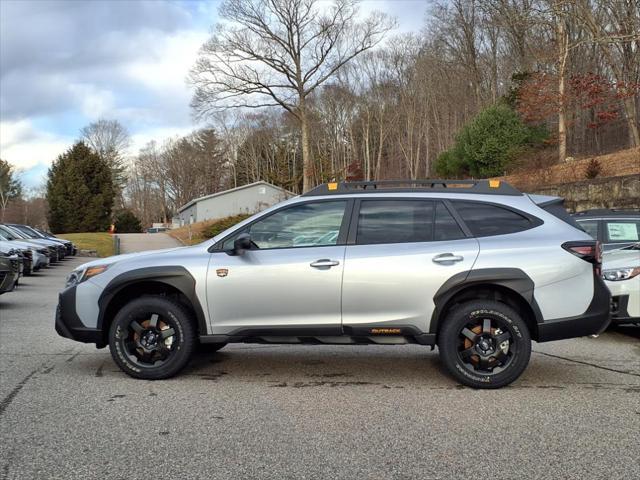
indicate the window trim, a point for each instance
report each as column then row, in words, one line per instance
column 355, row 215
column 534, row 221
column 342, row 234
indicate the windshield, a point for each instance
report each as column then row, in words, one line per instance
column 24, row 231
column 9, row 233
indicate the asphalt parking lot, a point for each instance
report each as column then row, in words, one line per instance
column 372, row 412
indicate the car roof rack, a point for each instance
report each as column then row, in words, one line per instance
column 484, row 187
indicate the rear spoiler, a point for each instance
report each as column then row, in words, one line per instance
column 555, row 206
column 545, row 200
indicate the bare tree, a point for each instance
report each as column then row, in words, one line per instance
column 517, row 19
column 109, row 139
column 615, row 29
column 563, row 45
column 277, row 53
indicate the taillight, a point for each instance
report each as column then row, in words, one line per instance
column 589, row 251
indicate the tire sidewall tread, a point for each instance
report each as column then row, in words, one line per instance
column 166, row 307
column 448, row 343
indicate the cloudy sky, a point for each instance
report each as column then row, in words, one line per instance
column 65, row 63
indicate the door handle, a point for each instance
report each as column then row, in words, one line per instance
column 324, row 262
column 447, row 258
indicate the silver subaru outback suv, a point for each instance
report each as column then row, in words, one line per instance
column 474, row 267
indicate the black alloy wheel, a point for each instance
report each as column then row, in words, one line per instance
column 484, row 344
column 152, row 337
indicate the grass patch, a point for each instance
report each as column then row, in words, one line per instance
column 99, row 241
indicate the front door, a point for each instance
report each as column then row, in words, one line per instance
column 401, row 253
column 291, row 278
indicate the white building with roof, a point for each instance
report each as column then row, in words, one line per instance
column 249, row 198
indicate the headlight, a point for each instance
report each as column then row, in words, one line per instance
column 618, row 274
column 73, row 278
column 79, row 276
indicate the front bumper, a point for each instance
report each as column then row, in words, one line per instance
column 40, row 260
column 593, row 321
column 69, row 325
column 8, row 281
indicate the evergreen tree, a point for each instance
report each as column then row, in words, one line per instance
column 79, row 191
column 488, row 144
column 127, row 222
column 10, row 186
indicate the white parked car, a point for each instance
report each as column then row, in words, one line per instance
column 621, row 272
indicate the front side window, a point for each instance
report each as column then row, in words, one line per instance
column 485, row 220
column 394, row 221
column 306, row 225
column 623, row 230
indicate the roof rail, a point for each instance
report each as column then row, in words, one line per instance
column 607, row 211
column 484, row 187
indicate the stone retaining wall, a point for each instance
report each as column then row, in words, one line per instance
column 622, row 163
column 611, row 192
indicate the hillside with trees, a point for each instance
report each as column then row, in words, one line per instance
column 299, row 92
column 487, row 88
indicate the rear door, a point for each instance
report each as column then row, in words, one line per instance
column 399, row 253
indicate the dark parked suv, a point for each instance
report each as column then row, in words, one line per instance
column 614, row 229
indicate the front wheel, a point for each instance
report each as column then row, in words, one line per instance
column 484, row 344
column 152, row 338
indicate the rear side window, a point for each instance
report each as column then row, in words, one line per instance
column 394, row 221
column 485, row 220
column 622, row 230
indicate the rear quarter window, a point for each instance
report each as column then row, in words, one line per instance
column 486, row 220
column 590, row 226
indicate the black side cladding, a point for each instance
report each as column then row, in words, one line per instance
column 513, row 279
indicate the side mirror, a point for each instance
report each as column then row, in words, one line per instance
column 241, row 244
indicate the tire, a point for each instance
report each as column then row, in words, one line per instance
column 152, row 338
column 470, row 348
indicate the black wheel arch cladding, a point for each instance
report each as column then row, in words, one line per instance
column 512, row 279
column 175, row 276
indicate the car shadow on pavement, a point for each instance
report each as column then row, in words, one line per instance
column 336, row 367
column 630, row 330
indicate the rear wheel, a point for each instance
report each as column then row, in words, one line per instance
column 152, row 338
column 484, row 344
